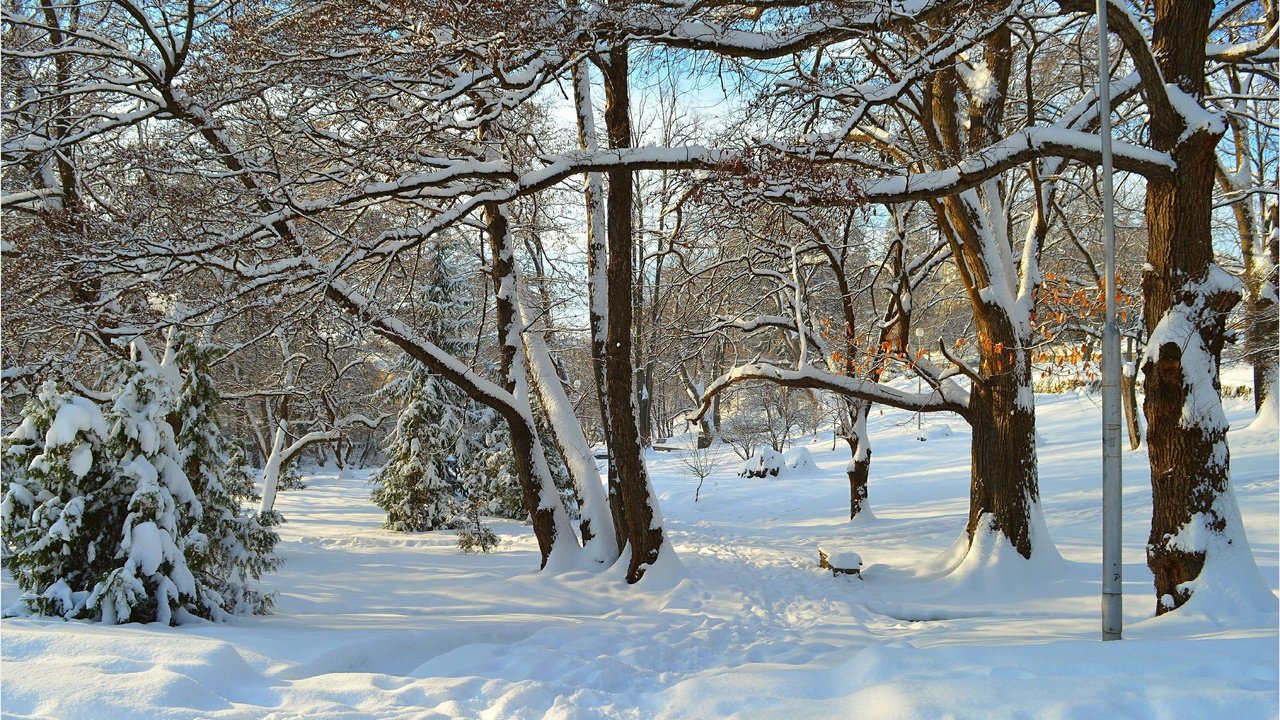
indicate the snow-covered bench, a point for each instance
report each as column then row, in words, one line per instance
column 840, row 562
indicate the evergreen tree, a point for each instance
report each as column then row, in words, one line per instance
column 150, row 578
column 53, row 511
column 116, row 519
column 228, row 548
column 484, row 466
column 419, row 487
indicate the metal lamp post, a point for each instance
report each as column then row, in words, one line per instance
column 1112, row 599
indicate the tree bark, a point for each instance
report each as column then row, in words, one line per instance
column 1005, row 478
column 638, row 501
column 597, row 312
column 1186, row 305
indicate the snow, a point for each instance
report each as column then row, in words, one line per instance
column 981, row 83
column 739, row 621
column 146, row 548
column 798, row 458
column 766, row 462
column 76, row 415
column 81, row 460
column 845, row 559
column 1196, row 117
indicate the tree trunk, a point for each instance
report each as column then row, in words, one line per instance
column 598, row 535
column 597, row 312
column 524, row 443
column 637, row 497
column 1186, row 300
column 1129, row 394
column 644, row 404
column 859, row 468
column 1005, row 479
column 1261, row 341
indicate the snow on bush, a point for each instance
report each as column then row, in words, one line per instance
column 766, row 462
column 52, row 510
column 797, row 458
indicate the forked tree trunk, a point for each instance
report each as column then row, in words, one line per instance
column 596, row 526
column 527, row 462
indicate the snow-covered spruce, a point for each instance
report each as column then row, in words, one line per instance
column 430, row 449
column 419, row 487
column 228, row 547
column 449, row 459
column 102, row 518
column 147, row 501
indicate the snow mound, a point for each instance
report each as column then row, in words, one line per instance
column 798, row 458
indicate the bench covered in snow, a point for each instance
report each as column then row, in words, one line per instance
column 840, row 562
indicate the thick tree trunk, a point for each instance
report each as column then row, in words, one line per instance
column 1005, row 479
column 1186, row 300
column 644, row 536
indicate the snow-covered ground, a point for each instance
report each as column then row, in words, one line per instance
column 371, row 623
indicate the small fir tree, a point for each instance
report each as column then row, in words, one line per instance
column 150, row 578
column 228, row 547
column 484, row 465
column 419, row 487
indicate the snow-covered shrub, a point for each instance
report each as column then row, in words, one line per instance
column 766, row 462
column 290, row 478
column 150, row 577
column 797, row 458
